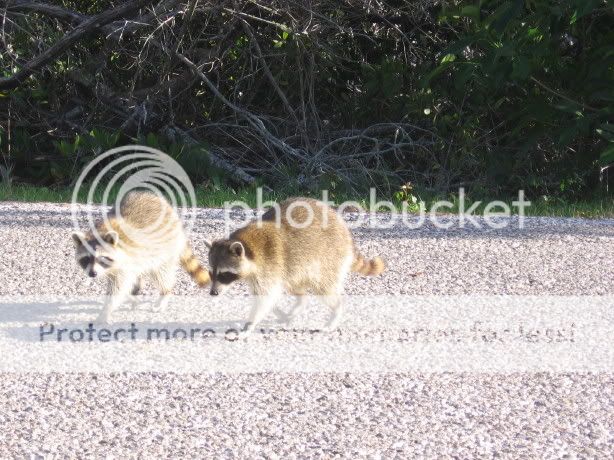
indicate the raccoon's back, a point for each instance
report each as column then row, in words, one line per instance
column 145, row 209
column 311, row 233
column 147, row 225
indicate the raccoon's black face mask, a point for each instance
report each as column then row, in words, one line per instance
column 220, row 281
column 226, row 259
column 100, row 260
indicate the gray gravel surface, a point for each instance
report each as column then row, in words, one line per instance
column 526, row 415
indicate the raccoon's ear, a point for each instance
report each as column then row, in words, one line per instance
column 237, row 248
column 78, row 238
column 111, row 237
column 208, row 244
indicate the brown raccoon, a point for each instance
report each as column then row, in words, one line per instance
column 302, row 246
column 144, row 240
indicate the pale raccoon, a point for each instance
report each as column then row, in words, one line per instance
column 303, row 246
column 145, row 239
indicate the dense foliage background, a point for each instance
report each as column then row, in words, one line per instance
column 298, row 95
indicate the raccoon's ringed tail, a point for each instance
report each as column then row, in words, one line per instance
column 192, row 265
column 366, row 267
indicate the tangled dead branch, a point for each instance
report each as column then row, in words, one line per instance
column 84, row 28
column 263, row 82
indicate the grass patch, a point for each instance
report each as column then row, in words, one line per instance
column 598, row 208
column 204, row 198
column 207, row 198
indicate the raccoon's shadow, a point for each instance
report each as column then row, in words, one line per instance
column 50, row 317
column 155, row 332
column 26, row 321
column 15, row 312
column 11, row 312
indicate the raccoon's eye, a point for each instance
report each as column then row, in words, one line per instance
column 104, row 261
column 227, row 277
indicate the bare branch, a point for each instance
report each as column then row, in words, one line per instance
column 87, row 27
column 249, row 117
column 176, row 133
column 50, row 10
column 267, row 70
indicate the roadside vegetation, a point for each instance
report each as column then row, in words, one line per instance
column 217, row 198
column 299, row 96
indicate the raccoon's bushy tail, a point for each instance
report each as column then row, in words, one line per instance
column 366, row 267
column 192, row 265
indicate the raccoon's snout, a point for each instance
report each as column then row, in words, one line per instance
column 214, row 291
column 92, row 273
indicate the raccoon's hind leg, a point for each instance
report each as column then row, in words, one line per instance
column 332, row 295
column 136, row 290
column 164, row 279
column 295, row 310
column 137, row 287
column 335, row 303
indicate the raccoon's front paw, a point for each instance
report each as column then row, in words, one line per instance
column 332, row 324
column 283, row 317
column 103, row 318
column 133, row 302
column 161, row 303
column 246, row 331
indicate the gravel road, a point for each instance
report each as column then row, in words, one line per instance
column 325, row 414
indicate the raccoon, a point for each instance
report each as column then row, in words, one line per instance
column 145, row 239
column 299, row 247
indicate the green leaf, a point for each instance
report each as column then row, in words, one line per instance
column 448, row 58
column 607, row 96
column 463, row 76
column 471, row 11
column 584, row 7
column 152, row 140
column 607, row 156
column 569, row 107
column 434, row 73
column 459, row 45
column 521, row 68
column 501, row 18
column 568, row 135
column 606, row 131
